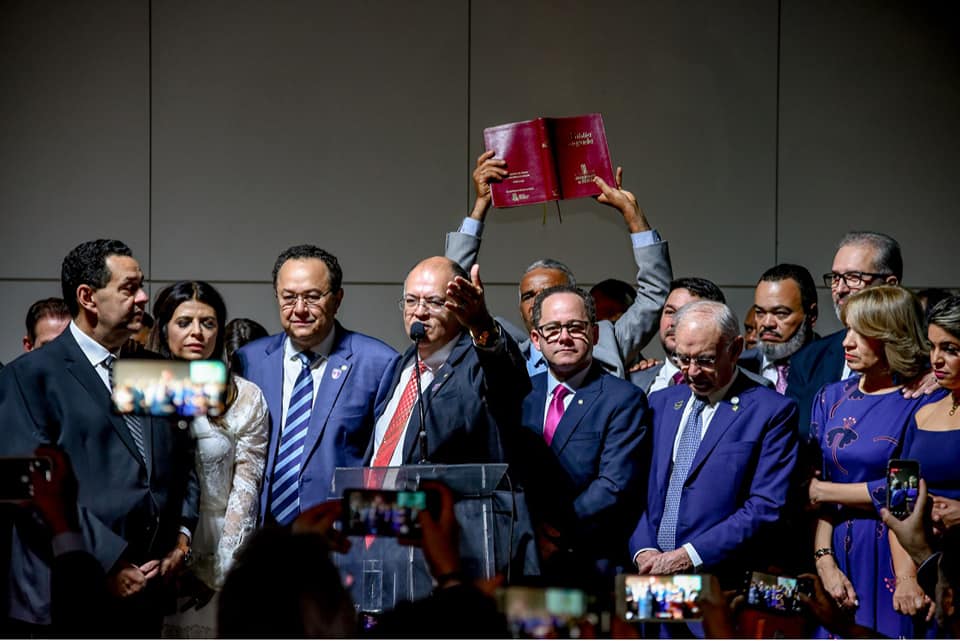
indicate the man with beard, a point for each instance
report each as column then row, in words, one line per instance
column 785, row 311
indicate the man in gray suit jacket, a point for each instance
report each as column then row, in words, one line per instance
column 620, row 343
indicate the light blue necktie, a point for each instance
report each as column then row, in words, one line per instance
column 686, row 451
column 284, row 494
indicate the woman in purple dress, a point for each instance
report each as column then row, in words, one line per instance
column 860, row 425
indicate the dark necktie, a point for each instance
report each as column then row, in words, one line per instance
column 134, row 426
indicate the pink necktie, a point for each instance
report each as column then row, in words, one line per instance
column 677, row 378
column 782, row 371
column 554, row 413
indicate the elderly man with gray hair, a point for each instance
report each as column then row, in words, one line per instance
column 724, row 450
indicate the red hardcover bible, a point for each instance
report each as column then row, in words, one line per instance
column 549, row 159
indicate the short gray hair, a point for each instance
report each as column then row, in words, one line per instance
column 549, row 263
column 720, row 313
column 889, row 259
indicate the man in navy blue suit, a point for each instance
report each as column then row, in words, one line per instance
column 331, row 419
column 473, row 376
column 584, row 449
column 724, row 450
column 863, row 259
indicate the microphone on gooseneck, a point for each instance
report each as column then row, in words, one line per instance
column 417, row 333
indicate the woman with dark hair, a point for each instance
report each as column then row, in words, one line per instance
column 860, row 424
column 231, row 448
column 933, row 436
column 238, row 333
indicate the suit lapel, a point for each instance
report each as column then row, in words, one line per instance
column 81, row 369
column 334, row 376
column 273, row 391
column 444, row 374
column 578, row 408
column 726, row 415
column 674, row 403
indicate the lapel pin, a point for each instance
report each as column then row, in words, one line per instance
column 579, row 401
column 735, row 401
column 678, row 405
column 335, row 374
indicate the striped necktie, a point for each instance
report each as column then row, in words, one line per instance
column 284, row 491
column 686, row 451
column 134, row 426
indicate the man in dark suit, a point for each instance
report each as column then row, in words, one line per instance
column 724, row 450
column 863, row 259
column 46, row 319
column 785, row 312
column 473, row 377
column 620, row 342
column 584, row 457
column 138, row 494
column 326, row 421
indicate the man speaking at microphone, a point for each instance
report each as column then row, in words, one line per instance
column 472, row 375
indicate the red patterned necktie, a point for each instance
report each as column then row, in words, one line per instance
column 399, row 421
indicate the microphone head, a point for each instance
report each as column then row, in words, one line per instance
column 417, row 331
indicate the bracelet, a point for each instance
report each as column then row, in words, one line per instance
column 905, row 577
column 822, row 552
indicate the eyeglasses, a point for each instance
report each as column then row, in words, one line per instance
column 289, row 300
column 551, row 331
column 707, row 363
column 432, row 303
column 850, row 279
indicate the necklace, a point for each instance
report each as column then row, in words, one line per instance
column 956, row 404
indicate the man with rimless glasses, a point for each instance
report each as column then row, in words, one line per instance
column 863, row 259
column 321, row 381
column 723, row 452
column 582, row 454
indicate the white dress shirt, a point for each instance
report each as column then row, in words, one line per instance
column 292, row 365
column 433, row 363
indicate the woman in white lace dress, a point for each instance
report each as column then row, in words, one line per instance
column 231, row 449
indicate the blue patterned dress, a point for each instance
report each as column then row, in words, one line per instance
column 858, row 433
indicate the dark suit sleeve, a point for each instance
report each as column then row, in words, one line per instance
column 25, row 427
column 506, row 380
column 767, row 494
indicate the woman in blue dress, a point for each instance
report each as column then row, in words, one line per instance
column 933, row 437
column 860, row 425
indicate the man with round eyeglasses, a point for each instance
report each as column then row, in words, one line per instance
column 322, row 383
column 582, row 450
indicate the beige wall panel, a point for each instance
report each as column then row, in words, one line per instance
column 339, row 124
column 73, row 130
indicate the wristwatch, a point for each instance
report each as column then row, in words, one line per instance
column 487, row 337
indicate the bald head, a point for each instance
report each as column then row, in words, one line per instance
column 424, row 295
